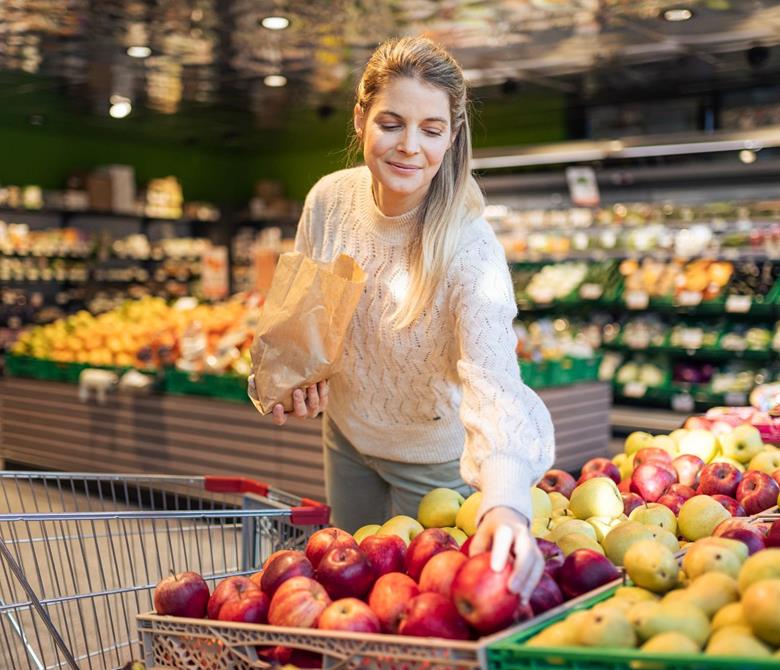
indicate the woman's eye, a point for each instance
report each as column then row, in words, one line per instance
column 385, row 126
column 433, row 133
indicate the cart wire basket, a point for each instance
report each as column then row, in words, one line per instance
column 81, row 553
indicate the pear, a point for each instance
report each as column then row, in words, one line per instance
column 671, row 642
column 651, row 565
column 622, row 604
column 541, row 505
column 560, row 634
column 606, row 627
column 669, row 540
column 570, row 526
column 699, row 516
column 573, row 541
column 704, row 557
column 620, row 539
column 736, row 641
column 711, row 591
column 641, row 612
column 680, row 617
column 761, row 609
column 737, row 547
column 466, row 518
column 763, row 564
column 635, row 594
column 677, row 595
column 729, row 615
column 602, row 525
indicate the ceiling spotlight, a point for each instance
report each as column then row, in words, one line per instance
column 747, row 156
column 679, row 14
column 120, row 107
column 275, row 80
column 139, row 52
column 275, row 22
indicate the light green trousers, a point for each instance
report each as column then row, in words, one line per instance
column 364, row 489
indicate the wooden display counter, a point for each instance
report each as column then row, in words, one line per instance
column 44, row 425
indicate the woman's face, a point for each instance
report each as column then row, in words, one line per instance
column 405, row 136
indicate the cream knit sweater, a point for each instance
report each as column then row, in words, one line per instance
column 420, row 394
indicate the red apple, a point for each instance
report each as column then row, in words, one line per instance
column 349, row 614
column 298, row 602
column 553, row 556
column 631, row 501
column 757, row 492
column 603, row 466
column 584, row 570
column 230, row 588
column 280, row 552
column 682, row 490
column 585, row 476
column 734, row 522
column 257, row 579
column 673, row 501
column 697, row 423
column 558, row 480
column 323, row 540
column 390, row 594
column 731, row 505
column 465, row 548
column 438, row 573
column 772, row 538
column 345, row 572
column 688, row 468
column 624, row 486
column 752, row 538
column 250, row 607
column 425, row 546
column 652, row 455
column 284, row 566
column 719, row 478
column 546, row 595
column 386, row 553
column 776, row 476
column 433, row 615
column 650, row 480
column 482, row 597
column 184, row 594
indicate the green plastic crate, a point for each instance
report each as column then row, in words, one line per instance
column 35, row 368
column 224, row 387
column 513, row 654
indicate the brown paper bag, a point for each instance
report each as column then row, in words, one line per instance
column 302, row 328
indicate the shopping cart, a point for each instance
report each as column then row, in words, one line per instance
column 80, row 554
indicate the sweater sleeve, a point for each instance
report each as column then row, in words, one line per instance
column 509, row 434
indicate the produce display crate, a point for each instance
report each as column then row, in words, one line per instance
column 514, row 654
column 54, row 371
column 560, row 372
column 225, row 387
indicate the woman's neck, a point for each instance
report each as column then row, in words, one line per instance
column 394, row 204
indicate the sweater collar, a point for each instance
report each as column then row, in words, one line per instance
column 395, row 230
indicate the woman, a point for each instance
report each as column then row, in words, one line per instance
column 429, row 365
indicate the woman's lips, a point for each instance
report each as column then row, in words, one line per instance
column 403, row 169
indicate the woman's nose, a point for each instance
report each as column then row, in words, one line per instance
column 409, row 143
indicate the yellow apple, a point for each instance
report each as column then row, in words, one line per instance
column 636, row 441
column 439, row 507
column 701, row 443
column 364, row 531
column 403, row 526
column 457, row 533
column 466, row 518
column 541, row 505
column 598, row 496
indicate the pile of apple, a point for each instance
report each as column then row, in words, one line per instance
column 720, row 600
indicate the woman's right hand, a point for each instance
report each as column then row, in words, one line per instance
column 308, row 402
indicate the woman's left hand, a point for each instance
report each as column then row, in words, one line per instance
column 505, row 533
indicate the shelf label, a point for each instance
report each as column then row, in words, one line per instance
column 689, row 299
column 736, row 398
column 634, row 390
column 738, row 304
column 691, row 338
column 637, row 300
column 591, row 291
column 682, row 402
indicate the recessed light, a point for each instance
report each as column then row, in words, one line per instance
column 139, row 52
column 747, row 156
column 275, row 80
column 275, row 22
column 678, row 14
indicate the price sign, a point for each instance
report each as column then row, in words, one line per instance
column 634, row 390
column 682, row 402
column 591, row 291
column 637, row 300
column 738, row 304
column 689, row 298
column 736, row 398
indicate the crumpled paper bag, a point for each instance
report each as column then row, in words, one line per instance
column 300, row 336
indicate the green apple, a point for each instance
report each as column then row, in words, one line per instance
column 655, row 514
column 636, row 441
column 764, row 564
column 729, row 615
column 466, row 518
column 665, row 442
column 622, row 537
column 573, row 541
column 651, row 566
column 711, row 591
column 558, row 501
column 669, row 540
column 541, row 505
column 568, row 526
column 459, row 536
column 439, row 507
column 742, row 443
column 403, row 526
column 606, row 627
column 701, row 443
column 364, row 531
column 650, row 619
column 598, row 496
column 704, row 557
column 602, row 525
column 766, row 461
column 670, row 642
column 736, row 641
column 699, row 516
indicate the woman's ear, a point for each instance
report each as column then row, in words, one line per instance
column 359, row 120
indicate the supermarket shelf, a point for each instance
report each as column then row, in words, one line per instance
column 597, row 255
column 625, row 419
column 67, row 213
column 758, row 355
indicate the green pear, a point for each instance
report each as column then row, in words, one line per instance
column 763, row 564
column 573, row 541
column 704, row 557
column 635, row 594
column 560, row 634
column 403, row 526
column 364, row 531
column 740, row 549
column 675, row 595
column 606, row 627
column 711, row 591
column 541, row 505
column 466, row 518
column 558, row 500
column 598, row 496
column 622, row 604
column 641, row 612
column 655, row 514
column 670, row 642
column 439, row 507
column 699, row 516
column 457, row 534
column 729, row 615
column 622, row 537
column 736, row 641
column 669, row 540
column 680, row 617
column 569, row 526
column 761, row 609
column 651, row 565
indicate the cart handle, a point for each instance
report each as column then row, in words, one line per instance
column 310, row 515
column 235, row 485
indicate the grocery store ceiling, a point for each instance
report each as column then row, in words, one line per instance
column 216, row 54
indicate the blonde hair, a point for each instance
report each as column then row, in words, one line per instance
column 453, row 197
